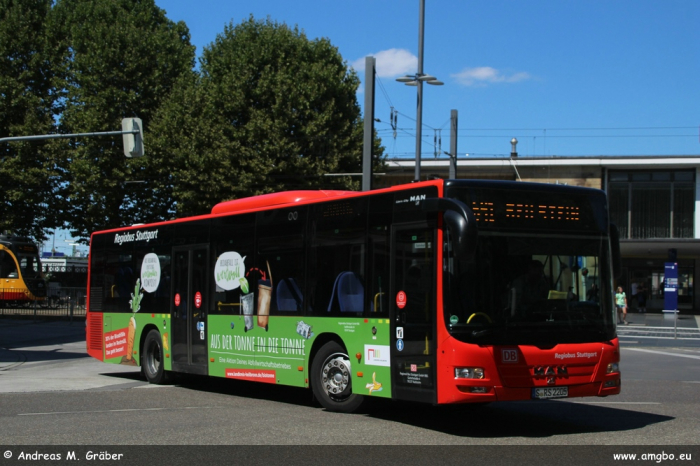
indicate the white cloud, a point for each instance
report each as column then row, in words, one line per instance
column 484, row 75
column 390, row 63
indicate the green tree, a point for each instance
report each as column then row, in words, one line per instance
column 268, row 110
column 120, row 59
column 30, row 199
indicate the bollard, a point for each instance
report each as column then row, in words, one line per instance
column 72, row 303
column 675, row 325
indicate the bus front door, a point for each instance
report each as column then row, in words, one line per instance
column 188, row 306
column 413, row 322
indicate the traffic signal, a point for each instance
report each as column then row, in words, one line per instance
column 132, row 137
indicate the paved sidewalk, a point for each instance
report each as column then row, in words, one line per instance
column 658, row 319
column 29, row 333
column 660, row 330
column 51, row 355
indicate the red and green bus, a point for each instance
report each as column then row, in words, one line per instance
column 442, row 291
column 21, row 278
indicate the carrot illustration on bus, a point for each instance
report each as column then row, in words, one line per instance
column 135, row 304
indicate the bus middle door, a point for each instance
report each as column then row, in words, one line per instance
column 188, row 309
column 413, row 318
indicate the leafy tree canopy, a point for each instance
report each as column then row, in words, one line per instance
column 123, row 65
column 28, row 191
column 269, row 110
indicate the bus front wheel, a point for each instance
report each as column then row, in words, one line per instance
column 332, row 379
column 152, row 362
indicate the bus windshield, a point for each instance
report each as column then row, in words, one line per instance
column 534, row 288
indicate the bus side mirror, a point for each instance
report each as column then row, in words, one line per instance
column 460, row 222
column 615, row 250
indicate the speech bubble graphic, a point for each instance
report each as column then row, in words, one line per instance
column 228, row 271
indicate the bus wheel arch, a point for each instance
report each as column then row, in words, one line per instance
column 331, row 376
column 153, row 357
column 142, row 341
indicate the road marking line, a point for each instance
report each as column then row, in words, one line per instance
column 683, row 329
column 114, row 410
column 616, row 402
column 148, row 385
column 662, row 352
column 657, row 337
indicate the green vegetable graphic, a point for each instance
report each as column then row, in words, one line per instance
column 136, row 297
column 244, row 285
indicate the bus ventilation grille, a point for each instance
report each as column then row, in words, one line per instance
column 95, row 329
column 96, row 296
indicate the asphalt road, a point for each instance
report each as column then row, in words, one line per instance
column 51, row 393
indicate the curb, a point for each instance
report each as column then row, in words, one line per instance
column 10, row 359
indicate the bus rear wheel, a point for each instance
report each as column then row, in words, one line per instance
column 332, row 379
column 152, row 359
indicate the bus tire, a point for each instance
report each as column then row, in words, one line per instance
column 152, row 361
column 331, row 379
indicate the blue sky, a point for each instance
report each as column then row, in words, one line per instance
column 586, row 77
column 564, row 77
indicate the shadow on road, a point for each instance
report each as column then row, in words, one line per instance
column 529, row 419
column 26, row 333
column 24, row 355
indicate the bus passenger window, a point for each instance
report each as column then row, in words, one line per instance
column 281, row 257
column 381, row 210
column 338, row 257
column 288, row 297
column 232, row 262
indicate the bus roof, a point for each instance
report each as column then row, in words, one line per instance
column 275, row 199
column 279, row 199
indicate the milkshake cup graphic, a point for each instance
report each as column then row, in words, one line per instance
column 264, row 298
column 247, row 303
column 130, row 338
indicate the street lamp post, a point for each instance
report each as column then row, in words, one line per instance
column 417, row 80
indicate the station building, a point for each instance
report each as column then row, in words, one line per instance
column 654, row 201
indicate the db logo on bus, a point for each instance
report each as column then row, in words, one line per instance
column 509, row 356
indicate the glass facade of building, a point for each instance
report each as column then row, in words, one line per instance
column 652, row 204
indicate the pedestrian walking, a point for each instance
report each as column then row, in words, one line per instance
column 621, row 305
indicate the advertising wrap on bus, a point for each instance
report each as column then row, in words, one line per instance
column 438, row 292
column 248, row 343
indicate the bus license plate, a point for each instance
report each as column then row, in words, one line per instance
column 550, row 392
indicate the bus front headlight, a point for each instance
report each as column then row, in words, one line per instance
column 613, row 367
column 469, row 373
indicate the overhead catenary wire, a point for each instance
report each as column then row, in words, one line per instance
column 383, row 89
column 536, row 134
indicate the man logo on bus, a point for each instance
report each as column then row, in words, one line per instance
column 377, row 355
column 509, row 356
column 418, row 198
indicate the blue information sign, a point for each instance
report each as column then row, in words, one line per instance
column 670, row 287
column 399, row 345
